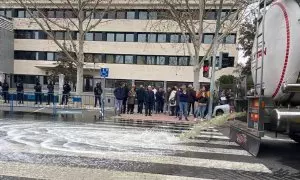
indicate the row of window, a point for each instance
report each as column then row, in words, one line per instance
column 98, row 14
column 118, row 58
column 123, row 37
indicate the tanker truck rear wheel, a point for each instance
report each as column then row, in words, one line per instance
column 295, row 137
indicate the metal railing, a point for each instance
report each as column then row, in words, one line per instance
column 53, row 102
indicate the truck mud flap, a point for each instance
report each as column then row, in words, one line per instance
column 245, row 139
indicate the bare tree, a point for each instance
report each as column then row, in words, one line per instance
column 191, row 19
column 78, row 19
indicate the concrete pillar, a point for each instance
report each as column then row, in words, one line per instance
column 61, row 82
column 41, row 78
column 2, row 77
column 132, row 82
column 165, row 86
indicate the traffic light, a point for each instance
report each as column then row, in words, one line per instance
column 206, row 69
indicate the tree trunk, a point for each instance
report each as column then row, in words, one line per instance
column 79, row 83
column 196, row 83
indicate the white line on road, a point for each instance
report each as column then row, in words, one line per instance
column 39, row 109
column 73, row 173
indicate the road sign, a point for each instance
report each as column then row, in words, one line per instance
column 104, row 72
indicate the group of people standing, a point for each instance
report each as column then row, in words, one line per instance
column 185, row 101
column 150, row 99
column 175, row 101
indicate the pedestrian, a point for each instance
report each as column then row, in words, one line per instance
column 38, row 92
column 20, row 92
column 172, row 101
column 98, row 92
column 177, row 110
column 66, row 93
column 167, row 103
column 119, row 93
column 124, row 103
column 5, row 89
column 140, row 93
column 160, row 98
column 50, row 88
column 131, row 100
column 183, row 102
column 191, row 99
column 155, row 103
column 149, row 101
column 202, row 104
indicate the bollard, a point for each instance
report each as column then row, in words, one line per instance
column 11, row 103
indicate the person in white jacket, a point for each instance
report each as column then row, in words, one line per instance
column 172, row 101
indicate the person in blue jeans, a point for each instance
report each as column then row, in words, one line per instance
column 183, row 103
column 119, row 93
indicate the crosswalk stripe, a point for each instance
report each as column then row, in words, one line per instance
column 212, row 133
column 225, row 143
column 70, row 173
column 212, row 136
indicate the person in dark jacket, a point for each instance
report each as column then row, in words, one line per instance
column 140, row 93
column 66, row 92
column 191, row 99
column 177, row 109
column 20, row 92
column 5, row 89
column 183, row 102
column 124, row 103
column 38, row 93
column 149, row 101
column 98, row 92
column 50, row 88
column 160, row 98
column 119, row 93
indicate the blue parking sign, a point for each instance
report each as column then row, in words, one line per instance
column 104, row 72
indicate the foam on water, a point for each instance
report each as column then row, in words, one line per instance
column 65, row 138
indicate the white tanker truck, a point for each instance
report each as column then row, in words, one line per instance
column 275, row 67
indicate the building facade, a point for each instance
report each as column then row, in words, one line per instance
column 128, row 42
column 6, row 48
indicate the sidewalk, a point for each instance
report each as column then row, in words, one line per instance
column 154, row 118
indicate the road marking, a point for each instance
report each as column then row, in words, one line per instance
column 39, row 171
column 212, row 136
column 277, row 139
column 39, row 109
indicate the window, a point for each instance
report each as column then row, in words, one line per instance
column 98, row 36
column 88, row 58
column 110, row 37
column 28, row 55
column 59, row 35
column 142, row 38
column 50, row 56
column 161, row 38
column 59, row 14
column 174, row 38
column 119, row 59
column 153, row 15
column 151, row 60
column 20, row 13
column 51, row 14
column 69, row 14
column 229, row 62
column 99, row 14
column 183, row 61
column 111, row 15
column 120, row 37
column 42, row 35
column 22, row 34
column 121, row 15
column 89, row 14
column 110, row 59
column 42, row 56
column 70, row 35
column 2, row 12
column 173, row 61
column 98, row 58
column 208, row 38
column 163, row 15
column 130, row 15
column 141, row 60
column 128, row 59
column 210, row 15
column 152, row 38
column 129, row 37
column 161, row 60
column 143, row 15
column 9, row 13
column 89, row 36
column 184, row 38
column 230, row 39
